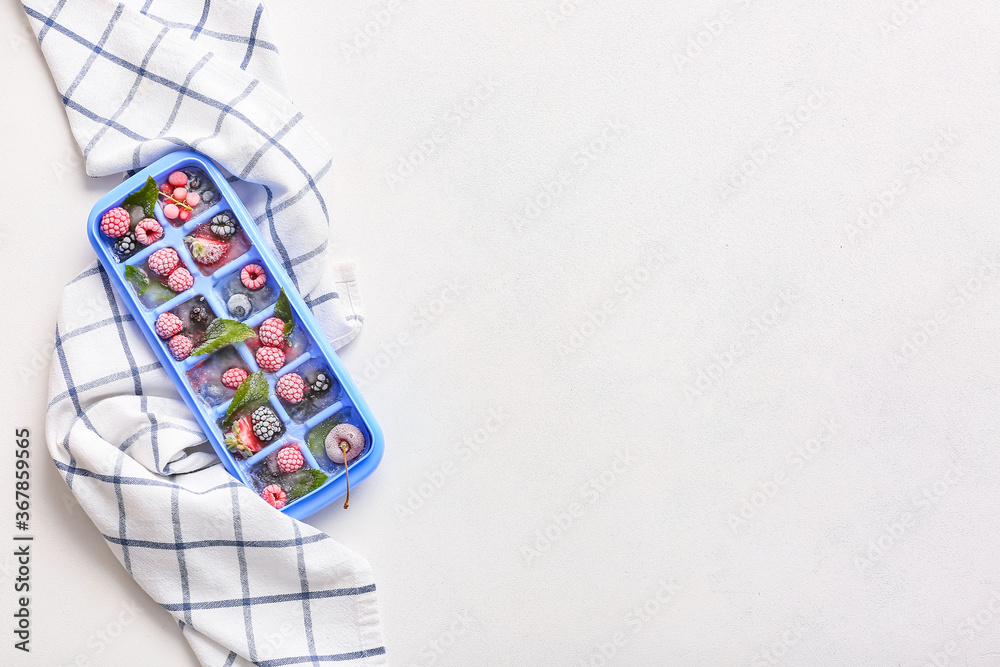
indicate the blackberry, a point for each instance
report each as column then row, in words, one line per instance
column 266, row 425
column 199, row 315
column 320, row 384
column 126, row 245
column 224, row 226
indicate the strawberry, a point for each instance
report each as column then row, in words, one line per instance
column 242, row 439
column 206, row 251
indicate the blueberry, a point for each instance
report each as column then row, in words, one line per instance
column 239, row 306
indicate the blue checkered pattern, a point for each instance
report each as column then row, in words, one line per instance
column 247, row 584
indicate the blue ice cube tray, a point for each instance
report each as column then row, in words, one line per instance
column 343, row 402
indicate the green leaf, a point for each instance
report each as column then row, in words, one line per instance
column 301, row 482
column 159, row 292
column 222, row 332
column 144, row 197
column 137, row 278
column 253, row 390
column 283, row 311
column 316, row 440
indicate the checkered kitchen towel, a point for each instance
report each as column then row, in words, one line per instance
column 246, row 583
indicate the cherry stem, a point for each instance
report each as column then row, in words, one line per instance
column 177, row 201
column 343, row 448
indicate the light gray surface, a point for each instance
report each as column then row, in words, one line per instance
column 719, row 332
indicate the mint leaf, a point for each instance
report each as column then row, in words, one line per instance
column 144, row 197
column 137, row 278
column 316, row 440
column 253, row 390
column 222, row 332
column 301, row 482
column 283, row 311
column 158, row 292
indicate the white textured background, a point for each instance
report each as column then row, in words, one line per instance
column 762, row 272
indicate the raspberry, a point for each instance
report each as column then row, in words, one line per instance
column 320, row 384
column 344, row 434
column 180, row 346
column 178, row 179
column 168, row 325
column 270, row 358
column 253, row 277
column 148, row 231
column 266, row 425
column 126, row 245
column 291, row 387
column 290, row 459
column 223, row 226
column 272, row 332
column 275, row 496
column 115, row 222
column 206, row 251
column 234, row 377
column 180, row 280
column 164, row 261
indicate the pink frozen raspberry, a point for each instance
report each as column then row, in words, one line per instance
column 148, row 231
column 253, row 277
column 270, row 358
column 168, row 325
column 275, row 496
column 180, row 346
column 164, row 261
column 234, row 377
column 178, row 179
column 290, row 459
column 291, row 387
column 180, row 279
column 272, row 332
column 116, row 222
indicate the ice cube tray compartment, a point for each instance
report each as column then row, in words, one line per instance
column 311, row 351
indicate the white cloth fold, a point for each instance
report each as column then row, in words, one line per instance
column 246, row 583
